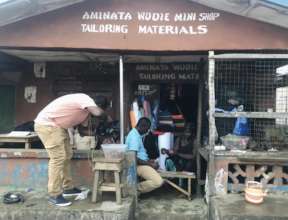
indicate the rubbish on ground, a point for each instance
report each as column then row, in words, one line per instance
column 83, row 195
column 220, row 179
column 13, row 197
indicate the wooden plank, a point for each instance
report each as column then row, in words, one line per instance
column 189, row 189
column 253, row 56
column 108, row 166
column 118, row 187
column 186, row 175
column 27, row 145
column 109, row 187
column 95, row 186
column 262, row 159
column 12, row 140
column 266, row 115
column 29, row 136
column 107, row 160
column 177, row 187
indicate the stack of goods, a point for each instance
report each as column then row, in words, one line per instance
column 165, row 122
column 179, row 122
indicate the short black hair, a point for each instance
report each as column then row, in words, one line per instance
column 143, row 123
column 101, row 101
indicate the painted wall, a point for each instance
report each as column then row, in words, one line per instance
column 61, row 78
column 24, row 169
column 158, row 25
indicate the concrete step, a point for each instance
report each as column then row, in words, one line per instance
column 36, row 207
column 173, row 208
column 234, row 207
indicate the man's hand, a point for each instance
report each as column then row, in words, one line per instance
column 153, row 164
column 168, row 152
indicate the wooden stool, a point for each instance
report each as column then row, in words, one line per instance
column 99, row 186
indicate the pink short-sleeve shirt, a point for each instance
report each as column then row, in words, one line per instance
column 66, row 111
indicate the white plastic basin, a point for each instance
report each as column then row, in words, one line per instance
column 114, row 151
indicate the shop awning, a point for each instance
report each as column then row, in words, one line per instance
column 84, row 56
column 15, row 10
column 270, row 11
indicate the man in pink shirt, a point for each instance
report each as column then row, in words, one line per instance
column 51, row 125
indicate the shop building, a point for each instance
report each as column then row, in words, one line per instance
column 189, row 58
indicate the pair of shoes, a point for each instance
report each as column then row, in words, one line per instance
column 72, row 192
column 59, row 201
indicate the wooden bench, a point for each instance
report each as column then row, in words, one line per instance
column 166, row 175
column 19, row 137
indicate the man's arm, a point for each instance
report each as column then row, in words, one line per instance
column 95, row 110
column 71, row 135
column 150, row 163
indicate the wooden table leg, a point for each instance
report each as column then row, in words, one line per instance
column 95, row 186
column 176, row 186
column 189, row 188
column 27, row 145
column 118, row 187
column 198, row 187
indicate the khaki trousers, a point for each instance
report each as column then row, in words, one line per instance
column 56, row 142
column 152, row 179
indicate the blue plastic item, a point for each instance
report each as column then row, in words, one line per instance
column 241, row 127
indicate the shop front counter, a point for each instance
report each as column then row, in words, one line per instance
column 235, row 168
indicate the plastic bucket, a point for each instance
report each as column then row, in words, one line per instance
column 254, row 192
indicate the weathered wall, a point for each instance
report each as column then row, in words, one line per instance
column 61, row 78
column 29, row 169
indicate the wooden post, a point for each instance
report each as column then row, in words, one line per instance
column 199, row 124
column 118, row 188
column 212, row 127
column 189, row 189
column 27, row 144
column 95, row 186
column 121, row 93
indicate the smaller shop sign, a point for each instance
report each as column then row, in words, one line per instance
column 165, row 72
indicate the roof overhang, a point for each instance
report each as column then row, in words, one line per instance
column 15, row 10
column 263, row 10
column 83, row 56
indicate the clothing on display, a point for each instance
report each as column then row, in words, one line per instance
column 140, row 108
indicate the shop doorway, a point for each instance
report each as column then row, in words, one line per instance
column 172, row 90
